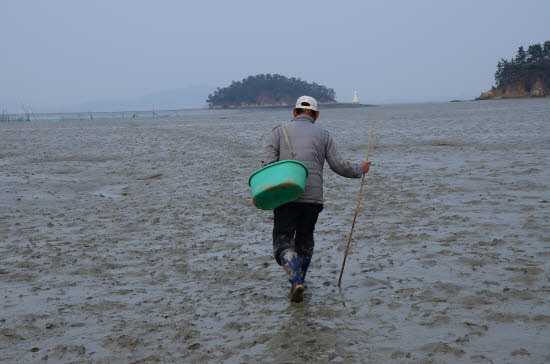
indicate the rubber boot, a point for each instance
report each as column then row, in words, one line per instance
column 304, row 265
column 291, row 264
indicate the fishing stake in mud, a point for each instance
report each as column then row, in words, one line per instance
column 356, row 209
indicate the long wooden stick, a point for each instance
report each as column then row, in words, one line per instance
column 356, row 209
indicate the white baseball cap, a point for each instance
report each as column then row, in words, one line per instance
column 306, row 102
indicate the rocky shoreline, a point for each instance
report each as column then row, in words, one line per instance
column 520, row 88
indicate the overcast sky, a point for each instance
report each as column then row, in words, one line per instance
column 58, row 53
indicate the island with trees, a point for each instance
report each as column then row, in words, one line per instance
column 269, row 90
column 525, row 75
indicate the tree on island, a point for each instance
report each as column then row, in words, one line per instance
column 268, row 89
column 535, row 60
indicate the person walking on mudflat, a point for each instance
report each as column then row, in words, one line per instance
column 294, row 222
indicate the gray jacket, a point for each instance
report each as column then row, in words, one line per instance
column 311, row 146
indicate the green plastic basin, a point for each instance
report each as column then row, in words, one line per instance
column 277, row 184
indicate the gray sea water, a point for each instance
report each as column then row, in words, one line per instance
column 135, row 240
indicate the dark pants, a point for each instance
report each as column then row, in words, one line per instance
column 293, row 228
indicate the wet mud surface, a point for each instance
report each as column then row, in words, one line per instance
column 137, row 241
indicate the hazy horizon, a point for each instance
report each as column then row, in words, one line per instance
column 64, row 53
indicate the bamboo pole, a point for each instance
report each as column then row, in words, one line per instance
column 356, row 209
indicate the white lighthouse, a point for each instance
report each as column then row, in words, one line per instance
column 355, row 98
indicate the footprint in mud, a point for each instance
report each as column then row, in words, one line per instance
column 474, row 301
column 504, row 317
column 494, row 242
column 526, row 270
column 10, row 335
column 437, row 321
column 400, row 355
column 441, row 347
column 542, row 318
column 522, row 294
column 476, row 329
column 480, row 359
column 60, row 351
column 520, row 352
column 450, row 289
column 123, row 341
column 113, row 191
column 474, row 263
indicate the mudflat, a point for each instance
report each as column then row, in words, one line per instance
column 136, row 240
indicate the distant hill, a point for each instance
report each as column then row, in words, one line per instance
column 268, row 90
column 525, row 75
column 182, row 98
